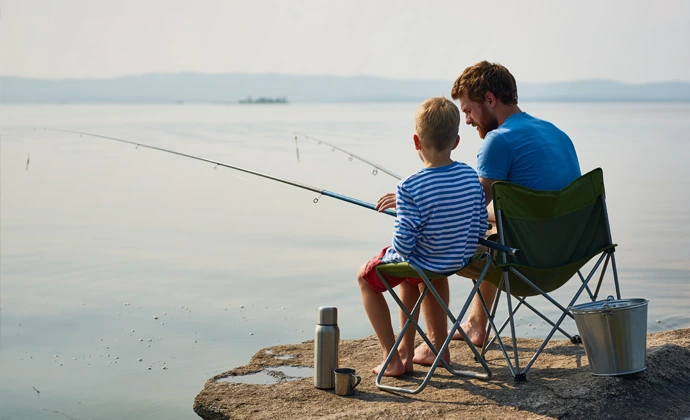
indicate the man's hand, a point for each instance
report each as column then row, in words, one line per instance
column 386, row 202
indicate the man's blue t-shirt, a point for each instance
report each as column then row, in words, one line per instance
column 529, row 152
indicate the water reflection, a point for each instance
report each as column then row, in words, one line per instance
column 270, row 376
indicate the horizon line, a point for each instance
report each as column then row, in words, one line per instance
column 362, row 76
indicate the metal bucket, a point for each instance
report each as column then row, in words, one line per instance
column 614, row 333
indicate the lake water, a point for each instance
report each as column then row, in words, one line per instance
column 111, row 254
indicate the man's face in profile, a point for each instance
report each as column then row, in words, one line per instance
column 478, row 115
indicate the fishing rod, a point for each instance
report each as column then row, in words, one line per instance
column 376, row 166
column 273, row 178
column 237, row 168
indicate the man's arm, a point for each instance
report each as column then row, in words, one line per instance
column 488, row 195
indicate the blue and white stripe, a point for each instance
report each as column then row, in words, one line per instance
column 441, row 216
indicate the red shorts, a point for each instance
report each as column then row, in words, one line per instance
column 373, row 279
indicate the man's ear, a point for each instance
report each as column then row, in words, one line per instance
column 417, row 142
column 457, row 141
column 490, row 99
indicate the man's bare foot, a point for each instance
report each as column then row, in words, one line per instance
column 395, row 368
column 476, row 334
column 424, row 356
column 408, row 362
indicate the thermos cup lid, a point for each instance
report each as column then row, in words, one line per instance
column 328, row 315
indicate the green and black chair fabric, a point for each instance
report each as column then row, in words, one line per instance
column 409, row 270
column 557, row 233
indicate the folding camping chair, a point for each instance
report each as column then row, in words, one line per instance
column 557, row 233
column 410, row 270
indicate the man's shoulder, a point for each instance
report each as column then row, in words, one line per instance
column 525, row 122
column 523, row 126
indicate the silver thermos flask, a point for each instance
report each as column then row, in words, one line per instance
column 326, row 348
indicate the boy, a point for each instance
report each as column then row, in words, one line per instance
column 441, row 216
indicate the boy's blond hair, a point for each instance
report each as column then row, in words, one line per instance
column 437, row 122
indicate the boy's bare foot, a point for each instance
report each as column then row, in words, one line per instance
column 395, row 368
column 476, row 333
column 424, row 356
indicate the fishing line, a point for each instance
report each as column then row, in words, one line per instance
column 320, row 191
column 237, row 168
column 351, row 156
column 297, row 148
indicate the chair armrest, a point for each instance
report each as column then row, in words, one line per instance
column 491, row 244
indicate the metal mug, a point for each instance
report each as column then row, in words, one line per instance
column 346, row 381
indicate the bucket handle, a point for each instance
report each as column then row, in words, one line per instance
column 607, row 313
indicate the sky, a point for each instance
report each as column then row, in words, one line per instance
column 538, row 40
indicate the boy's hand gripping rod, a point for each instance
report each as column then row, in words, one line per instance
column 320, row 191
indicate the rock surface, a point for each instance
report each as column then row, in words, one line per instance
column 559, row 385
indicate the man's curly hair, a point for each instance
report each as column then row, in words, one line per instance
column 483, row 77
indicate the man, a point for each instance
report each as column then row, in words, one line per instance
column 517, row 148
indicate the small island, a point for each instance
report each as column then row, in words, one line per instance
column 264, row 100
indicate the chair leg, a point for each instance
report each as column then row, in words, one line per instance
column 601, row 277
column 516, row 374
column 522, row 373
column 505, row 323
column 615, row 274
column 561, row 330
column 497, row 331
column 492, row 316
column 439, row 353
column 592, row 296
column 410, row 320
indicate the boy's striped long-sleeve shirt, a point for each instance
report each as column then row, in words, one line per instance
column 441, row 216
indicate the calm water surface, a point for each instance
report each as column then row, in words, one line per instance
column 111, row 254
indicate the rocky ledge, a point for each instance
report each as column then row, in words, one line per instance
column 559, row 385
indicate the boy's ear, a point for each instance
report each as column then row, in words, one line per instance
column 417, row 142
column 457, row 141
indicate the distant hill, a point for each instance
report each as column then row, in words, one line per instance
column 230, row 88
